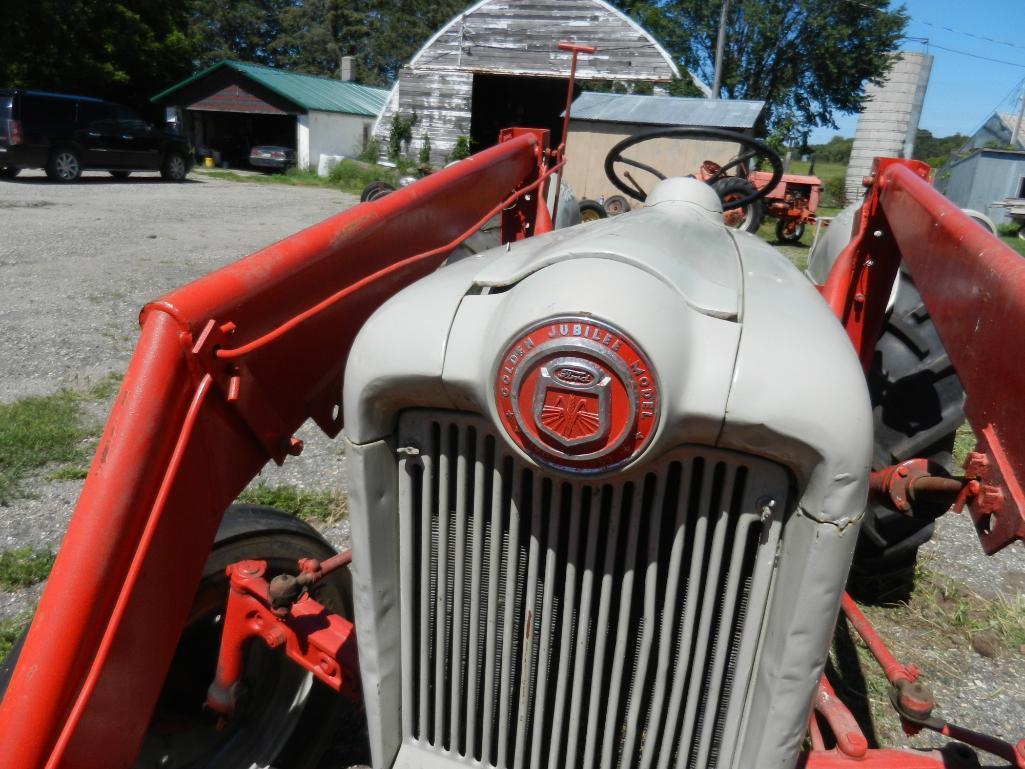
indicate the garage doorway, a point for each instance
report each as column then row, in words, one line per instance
column 234, row 134
column 504, row 101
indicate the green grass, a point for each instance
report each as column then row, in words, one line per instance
column 292, row 178
column 320, row 506
column 1015, row 242
column 796, row 252
column 950, row 611
column 964, row 441
column 349, row 176
column 24, row 566
column 10, row 629
column 50, row 429
column 825, row 171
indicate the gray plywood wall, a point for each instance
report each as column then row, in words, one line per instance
column 514, row 37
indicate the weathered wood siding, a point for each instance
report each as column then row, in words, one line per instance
column 520, row 37
column 514, row 37
column 441, row 101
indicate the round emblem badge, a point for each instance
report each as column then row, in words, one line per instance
column 578, row 394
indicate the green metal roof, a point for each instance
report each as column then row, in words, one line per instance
column 306, row 91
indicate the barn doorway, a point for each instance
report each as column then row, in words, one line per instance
column 503, row 101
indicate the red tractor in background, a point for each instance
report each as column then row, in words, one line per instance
column 793, row 201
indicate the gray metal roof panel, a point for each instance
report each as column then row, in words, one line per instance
column 665, row 110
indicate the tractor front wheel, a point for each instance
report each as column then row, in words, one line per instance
column 285, row 717
column 917, row 402
column 747, row 218
column 592, row 211
column 789, row 232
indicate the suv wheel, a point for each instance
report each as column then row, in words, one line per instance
column 64, row 165
column 174, row 168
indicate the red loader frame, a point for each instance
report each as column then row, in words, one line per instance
column 228, row 367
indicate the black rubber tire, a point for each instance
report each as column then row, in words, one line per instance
column 246, row 532
column 9, row 172
column 175, row 167
column 592, row 211
column 789, row 237
column 120, row 174
column 64, row 165
column 735, row 188
column 917, row 402
column 374, row 191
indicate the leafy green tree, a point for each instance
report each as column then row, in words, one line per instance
column 935, row 150
column 836, row 150
column 234, row 29
column 807, row 59
column 382, row 37
column 125, row 50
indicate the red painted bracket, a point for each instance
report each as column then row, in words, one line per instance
column 310, row 635
column 974, row 289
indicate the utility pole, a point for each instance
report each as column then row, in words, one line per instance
column 1021, row 114
column 720, row 45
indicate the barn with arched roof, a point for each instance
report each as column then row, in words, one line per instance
column 497, row 64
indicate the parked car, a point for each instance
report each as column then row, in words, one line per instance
column 66, row 135
column 271, row 157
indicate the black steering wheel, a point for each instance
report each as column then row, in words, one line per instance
column 751, row 148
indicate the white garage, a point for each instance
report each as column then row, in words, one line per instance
column 233, row 106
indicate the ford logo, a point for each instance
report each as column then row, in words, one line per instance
column 574, row 375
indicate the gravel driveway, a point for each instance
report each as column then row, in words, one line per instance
column 78, row 261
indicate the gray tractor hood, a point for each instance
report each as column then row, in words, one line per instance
column 747, row 355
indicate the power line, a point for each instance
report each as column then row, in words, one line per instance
column 945, row 28
column 972, row 35
column 927, row 42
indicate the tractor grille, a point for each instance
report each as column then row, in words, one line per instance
column 549, row 622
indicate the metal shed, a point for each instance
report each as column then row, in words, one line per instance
column 984, row 178
column 497, row 64
column 235, row 105
column 600, row 120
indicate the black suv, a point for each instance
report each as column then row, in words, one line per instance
column 69, row 134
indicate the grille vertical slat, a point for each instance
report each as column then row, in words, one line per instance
column 711, row 587
column 441, row 611
column 409, row 483
column 623, row 629
column 566, row 640
column 583, row 635
column 651, row 569
column 597, row 692
column 550, row 621
column 495, row 546
column 474, row 620
column 458, row 655
column 426, row 546
column 525, row 683
column 505, row 692
column 656, row 715
column 721, row 637
column 691, row 591
column 540, row 722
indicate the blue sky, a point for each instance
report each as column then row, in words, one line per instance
column 963, row 91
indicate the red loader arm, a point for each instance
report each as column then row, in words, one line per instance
column 974, row 289
column 226, row 369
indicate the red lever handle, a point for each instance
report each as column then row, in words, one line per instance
column 577, row 48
